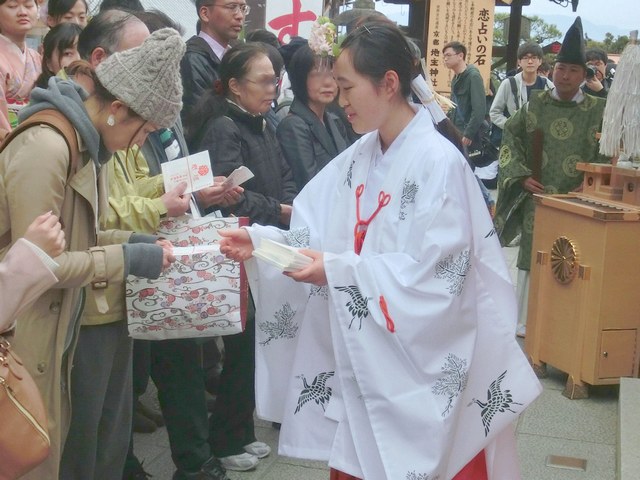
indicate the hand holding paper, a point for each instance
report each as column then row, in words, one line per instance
column 195, row 170
column 236, row 244
column 175, row 201
column 238, row 177
column 220, row 194
column 281, row 256
column 313, row 273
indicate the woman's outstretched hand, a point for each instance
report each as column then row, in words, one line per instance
column 236, row 244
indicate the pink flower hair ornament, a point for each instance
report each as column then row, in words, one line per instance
column 323, row 41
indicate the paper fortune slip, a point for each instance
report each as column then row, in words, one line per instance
column 195, row 170
column 283, row 257
column 196, row 250
column 238, row 177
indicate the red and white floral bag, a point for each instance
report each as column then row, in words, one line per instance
column 202, row 294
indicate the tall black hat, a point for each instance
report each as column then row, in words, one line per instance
column 572, row 50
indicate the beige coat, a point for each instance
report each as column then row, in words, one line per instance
column 33, row 180
column 24, row 276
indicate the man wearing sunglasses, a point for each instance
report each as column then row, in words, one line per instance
column 219, row 23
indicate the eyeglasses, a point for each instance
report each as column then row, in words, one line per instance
column 234, row 8
column 447, row 55
column 267, row 83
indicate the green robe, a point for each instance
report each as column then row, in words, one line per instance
column 569, row 136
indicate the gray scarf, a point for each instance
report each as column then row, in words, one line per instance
column 68, row 98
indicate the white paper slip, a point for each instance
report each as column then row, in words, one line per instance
column 193, row 207
column 238, row 177
column 281, row 256
column 194, row 169
column 195, row 249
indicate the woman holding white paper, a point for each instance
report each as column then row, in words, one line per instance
column 379, row 356
column 236, row 134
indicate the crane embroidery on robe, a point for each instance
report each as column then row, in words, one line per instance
column 420, row 476
column 317, row 291
column 298, row 237
column 498, row 401
column 454, row 271
column 409, row 192
column 350, row 173
column 491, row 233
column 282, row 327
column 357, row 305
column 454, row 380
column 317, row 391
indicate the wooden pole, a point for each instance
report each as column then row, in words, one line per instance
column 515, row 24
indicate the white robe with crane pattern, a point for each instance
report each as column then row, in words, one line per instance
column 405, row 365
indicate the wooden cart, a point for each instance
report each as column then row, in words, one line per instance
column 584, row 297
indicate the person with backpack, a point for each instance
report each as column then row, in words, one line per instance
column 515, row 91
column 54, row 162
column 512, row 93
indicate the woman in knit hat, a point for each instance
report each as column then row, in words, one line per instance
column 57, row 168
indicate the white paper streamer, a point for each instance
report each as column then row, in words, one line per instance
column 621, row 122
column 421, row 89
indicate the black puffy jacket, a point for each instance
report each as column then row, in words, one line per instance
column 199, row 69
column 239, row 138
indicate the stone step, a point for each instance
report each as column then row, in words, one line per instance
column 628, row 451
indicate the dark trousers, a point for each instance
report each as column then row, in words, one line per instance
column 100, row 396
column 175, row 367
column 231, row 423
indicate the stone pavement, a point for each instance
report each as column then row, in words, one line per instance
column 553, row 425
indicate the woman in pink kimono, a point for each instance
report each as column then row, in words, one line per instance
column 392, row 355
column 20, row 65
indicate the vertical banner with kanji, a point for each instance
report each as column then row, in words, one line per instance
column 467, row 21
column 292, row 18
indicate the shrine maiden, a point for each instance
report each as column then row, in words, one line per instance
column 392, row 355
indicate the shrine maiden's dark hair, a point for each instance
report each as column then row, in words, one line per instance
column 377, row 46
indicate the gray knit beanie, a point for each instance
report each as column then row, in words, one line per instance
column 147, row 78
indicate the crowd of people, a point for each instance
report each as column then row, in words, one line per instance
column 353, row 160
